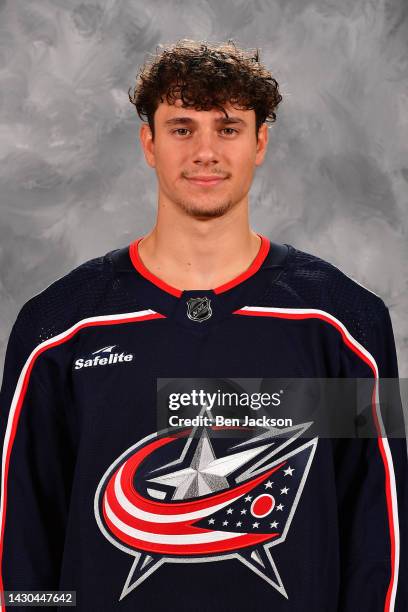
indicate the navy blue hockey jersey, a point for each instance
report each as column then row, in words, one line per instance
column 96, row 499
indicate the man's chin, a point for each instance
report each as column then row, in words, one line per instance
column 212, row 211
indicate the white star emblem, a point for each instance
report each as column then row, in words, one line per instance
column 239, row 524
column 268, row 484
column 243, row 511
column 229, row 511
column 207, row 473
column 248, row 498
column 289, row 471
column 255, row 524
column 284, row 490
column 211, row 521
column 280, row 507
column 225, row 523
column 274, row 524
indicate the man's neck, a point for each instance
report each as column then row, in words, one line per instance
column 198, row 259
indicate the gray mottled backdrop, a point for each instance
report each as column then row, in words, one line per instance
column 73, row 181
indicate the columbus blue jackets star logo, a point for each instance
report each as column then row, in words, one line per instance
column 182, row 496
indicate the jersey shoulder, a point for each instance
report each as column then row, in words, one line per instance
column 311, row 282
column 84, row 291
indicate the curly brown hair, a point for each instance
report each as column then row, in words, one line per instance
column 205, row 76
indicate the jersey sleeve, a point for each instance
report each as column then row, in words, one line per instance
column 372, row 476
column 35, row 469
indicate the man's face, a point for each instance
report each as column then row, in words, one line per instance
column 190, row 144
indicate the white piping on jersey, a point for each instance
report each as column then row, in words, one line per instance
column 39, row 349
column 382, row 441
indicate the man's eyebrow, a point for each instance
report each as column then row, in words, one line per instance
column 190, row 120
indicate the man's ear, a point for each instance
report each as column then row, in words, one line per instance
column 262, row 144
column 147, row 142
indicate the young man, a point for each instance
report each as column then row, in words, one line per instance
column 98, row 499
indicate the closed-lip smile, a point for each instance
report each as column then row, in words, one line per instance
column 211, row 179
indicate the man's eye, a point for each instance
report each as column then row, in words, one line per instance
column 231, row 129
column 180, row 130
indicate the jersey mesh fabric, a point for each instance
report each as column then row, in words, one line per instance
column 311, row 282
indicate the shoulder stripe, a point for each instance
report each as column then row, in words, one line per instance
column 384, row 448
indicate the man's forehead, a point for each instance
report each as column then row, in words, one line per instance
column 177, row 109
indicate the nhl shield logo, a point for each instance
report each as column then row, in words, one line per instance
column 199, row 309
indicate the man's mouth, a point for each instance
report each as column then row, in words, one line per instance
column 206, row 181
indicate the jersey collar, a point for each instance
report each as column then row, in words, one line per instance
column 245, row 289
column 253, row 268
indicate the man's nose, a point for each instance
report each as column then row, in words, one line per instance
column 206, row 147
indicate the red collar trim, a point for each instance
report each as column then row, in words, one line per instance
column 254, row 267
